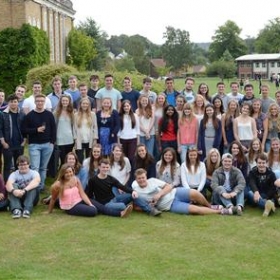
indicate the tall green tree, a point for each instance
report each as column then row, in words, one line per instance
column 227, row 38
column 91, row 29
column 116, row 44
column 20, row 50
column 177, row 48
column 81, row 49
column 268, row 40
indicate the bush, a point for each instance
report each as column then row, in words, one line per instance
column 47, row 72
column 20, row 50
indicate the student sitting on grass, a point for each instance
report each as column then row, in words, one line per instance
column 161, row 195
column 262, row 189
column 22, row 187
column 73, row 199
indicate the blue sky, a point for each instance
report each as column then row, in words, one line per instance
column 200, row 17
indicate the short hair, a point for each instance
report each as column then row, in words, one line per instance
column 190, row 79
column 36, row 83
column 94, row 77
column 227, row 155
column 82, row 85
column 40, row 96
column 262, row 156
column 169, row 79
column 234, row 83
column 220, row 84
column 22, row 86
column 22, row 159
column 73, row 78
column 140, row 171
column 127, row 78
column 104, row 161
column 12, row 97
column 56, row 79
column 248, row 86
column 109, row 76
column 147, row 80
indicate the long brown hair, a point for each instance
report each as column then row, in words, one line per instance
column 93, row 161
column 131, row 114
column 228, row 115
column 270, row 153
column 210, row 166
column 111, row 158
column 69, row 109
column 77, row 166
column 146, row 112
column 215, row 120
column 240, row 158
column 143, row 162
column 61, row 177
column 188, row 162
column 251, row 153
column 173, row 164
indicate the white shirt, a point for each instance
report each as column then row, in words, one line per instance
column 29, row 103
column 153, row 187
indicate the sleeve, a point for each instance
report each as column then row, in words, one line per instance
column 48, row 104
column 202, row 177
column 215, row 183
column 241, row 183
column 252, row 182
column 137, row 126
column 25, row 126
column 53, row 128
column 184, row 175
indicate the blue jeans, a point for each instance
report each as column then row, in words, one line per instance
column 26, row 202
column 149, row 143
column 40, row 155
column 260, row 203
column 181, row 202
column 119, row 202
column 219, row 199
column 184, row 149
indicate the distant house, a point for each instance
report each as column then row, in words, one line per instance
column 154, row 64
column 265, row 65
column 197, row 69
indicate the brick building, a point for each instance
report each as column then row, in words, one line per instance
column 53, row 16
column 265, row 65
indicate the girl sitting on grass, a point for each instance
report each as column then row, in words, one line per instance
column 73, row 199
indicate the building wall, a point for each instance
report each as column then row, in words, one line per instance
column 49, row 16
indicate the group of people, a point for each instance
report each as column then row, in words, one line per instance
column 184, row 152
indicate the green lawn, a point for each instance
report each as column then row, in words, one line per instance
column 59, row 246
column 211, row 82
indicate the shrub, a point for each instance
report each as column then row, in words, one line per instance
column 20, row 50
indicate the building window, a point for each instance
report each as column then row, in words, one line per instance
column 272, row 64
column 278, row 64
column 257, row 64
column 241, row 64
column 248, row 64
column 263, row 64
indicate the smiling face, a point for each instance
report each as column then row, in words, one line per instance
column 23, row 167
column 96, row 152
column 85, row 104
column 168, row 157
column 256, row 146
column 144, row 101
column 214, row 157
column 117, row 152
column 209, row 112
column 70, row 160
column 170, row 111
column 261, row 165
column 104, row 169
column 64, row 101
column 142, row 152
column 68, row 173
column 106, row 104
column 126, row 107
column 141, row 179
column 227, row 164
column 256, row 106
column 234, row 150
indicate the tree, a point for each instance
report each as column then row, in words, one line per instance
column 20, row 50
column 91, row 29
column 177, row 48
column 125, row 64
column 116, row 44
column 227, row 38
column 81, row 49
column 268, row 40
column 223, row 69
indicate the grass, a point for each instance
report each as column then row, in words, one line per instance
column 173, row 246
column 211, row 82
column 59, row 246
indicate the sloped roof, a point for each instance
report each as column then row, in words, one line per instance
column 264, row 56
column 158, row 62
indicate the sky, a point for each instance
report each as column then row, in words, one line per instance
column 201, row 18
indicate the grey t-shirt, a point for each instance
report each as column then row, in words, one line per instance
column 22, row 180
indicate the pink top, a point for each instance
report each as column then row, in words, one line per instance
column 188, row 132
column 70, row 198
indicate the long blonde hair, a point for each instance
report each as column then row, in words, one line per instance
column 80, row 115
column 269, row 116
column 183, row 117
